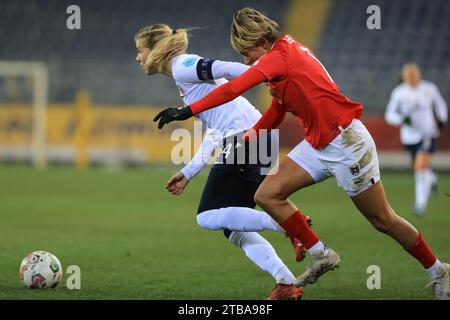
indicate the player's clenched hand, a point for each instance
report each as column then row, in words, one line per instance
column 177, row 183
column 172, row 114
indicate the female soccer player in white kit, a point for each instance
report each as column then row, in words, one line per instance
column 227, row 201
column 417, row 106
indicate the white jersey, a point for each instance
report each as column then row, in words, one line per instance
column 423, row 104
column 195, row 78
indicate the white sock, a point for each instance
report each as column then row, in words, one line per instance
column 432, row 176
column 319, row 246
column 261, row 252
column 423, row 188
column 237, row 219
column 434, row 270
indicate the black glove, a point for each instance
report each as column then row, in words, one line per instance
column 173, row 114
column 407, row 120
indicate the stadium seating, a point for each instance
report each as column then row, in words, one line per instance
column 366, row 63
column 100, row 57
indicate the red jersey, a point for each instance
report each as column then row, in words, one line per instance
column 302, row 86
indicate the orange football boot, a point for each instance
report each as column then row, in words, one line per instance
column 285, row 292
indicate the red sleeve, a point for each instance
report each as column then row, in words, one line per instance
column 270, row 119
column 229, row 91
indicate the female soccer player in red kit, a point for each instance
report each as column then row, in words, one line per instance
column 336, row 143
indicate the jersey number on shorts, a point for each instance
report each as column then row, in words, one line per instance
column 227, row 150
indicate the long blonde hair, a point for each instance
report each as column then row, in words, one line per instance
column 250, row 27
column 164, row 43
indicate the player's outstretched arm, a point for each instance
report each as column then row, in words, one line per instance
column 217, row 97
column 227, row 69
column 229, row 91
column 178, row 182
column 206, row 150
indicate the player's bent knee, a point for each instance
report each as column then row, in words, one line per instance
column 261, row 197
column 207, row 220
column 268, row 194
column 422, row 162
column 384, row 224
column 201, row 219
column 380, row 226
column 421, row 167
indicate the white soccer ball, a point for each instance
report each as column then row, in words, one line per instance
column 40, row 270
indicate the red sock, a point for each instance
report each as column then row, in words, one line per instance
column 297, row 227
column 422, row 252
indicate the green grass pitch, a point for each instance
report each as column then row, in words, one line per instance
column 133, row 240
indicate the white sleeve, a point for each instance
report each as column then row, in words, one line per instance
column 228, row 70
column 203, row 154
column 393, row 116
column 185, row 70
column 195, row 69
column 440, row 106
column 208, row 69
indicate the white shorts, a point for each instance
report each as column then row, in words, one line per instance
column 351, row 157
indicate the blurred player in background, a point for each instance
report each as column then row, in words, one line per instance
column 336, row 143
column 418, row 107
column 227, row 201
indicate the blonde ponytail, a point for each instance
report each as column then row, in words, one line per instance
column 164, row 43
